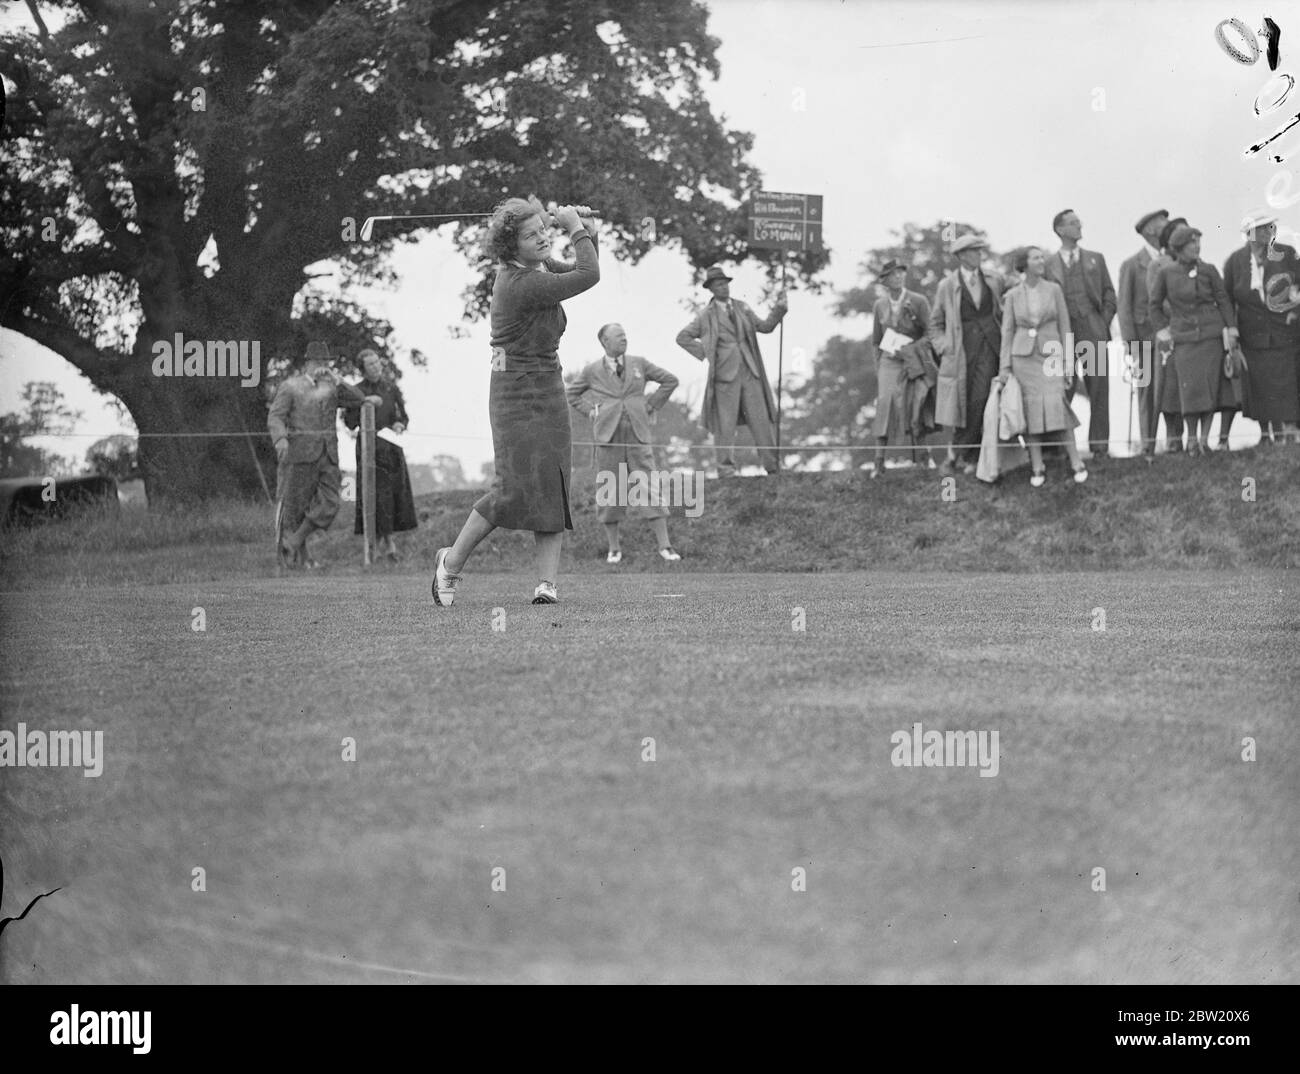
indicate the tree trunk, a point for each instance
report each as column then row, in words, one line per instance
column 201, row 438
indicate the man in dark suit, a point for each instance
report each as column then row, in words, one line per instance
column 738, row 392
column 611, row 391
column 1135, row 326
column 302, row 426
column 1090, row 298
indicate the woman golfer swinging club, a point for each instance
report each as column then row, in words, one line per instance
column 526, row 405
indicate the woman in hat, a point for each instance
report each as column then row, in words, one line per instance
column 1202, row 325
column 905, row 314
column 1260, row 278
column 1035, row 323
column 530, row 416
column 394, row 503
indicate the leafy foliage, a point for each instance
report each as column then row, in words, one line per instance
column 180, row 167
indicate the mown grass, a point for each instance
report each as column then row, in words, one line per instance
column 522, row 748
column 1131, row 515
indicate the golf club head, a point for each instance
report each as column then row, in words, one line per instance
column 368, row 227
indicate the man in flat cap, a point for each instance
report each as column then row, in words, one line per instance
column 738, row 393
column 1135, row 324
column 966, row 332
column 1090, row 299
column 1166, row 401
column 302, row 423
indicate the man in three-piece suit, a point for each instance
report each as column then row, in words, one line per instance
column 1090, row 298
column 611, row 391
column 738, row 393
column 965, row 331
column 1135, row 327
column 302, row 426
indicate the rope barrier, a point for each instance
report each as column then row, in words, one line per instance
column 785, row 448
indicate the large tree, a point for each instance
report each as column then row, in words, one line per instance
column 177, row 166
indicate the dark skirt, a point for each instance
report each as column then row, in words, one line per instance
column 533, row 451
column 1273, row 375
column 1198, row 376
column 394, row 503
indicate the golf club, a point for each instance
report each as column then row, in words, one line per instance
column 368, row 226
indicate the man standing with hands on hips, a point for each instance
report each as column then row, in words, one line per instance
column 738, row 392
column 302, row 423
column 611, row 391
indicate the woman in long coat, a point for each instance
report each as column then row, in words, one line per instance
column 1035, row 324
column 908, row 314
column 530, row 416
column 394, row 503
column 1269, row 326
column 1202, row 326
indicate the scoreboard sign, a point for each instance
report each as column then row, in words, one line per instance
column 785, row 222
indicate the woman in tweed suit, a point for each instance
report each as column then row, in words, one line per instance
column 529, row 413
column 1035, row 331
column 1202, row 326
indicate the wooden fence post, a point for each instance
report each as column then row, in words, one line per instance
column 366, row 479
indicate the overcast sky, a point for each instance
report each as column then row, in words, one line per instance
column 997, row 114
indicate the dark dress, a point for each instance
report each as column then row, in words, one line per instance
column 1269, row 339
column 1198, row 312
column 531, row 441
column 394, row 503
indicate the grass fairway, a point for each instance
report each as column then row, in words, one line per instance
column 522, row 749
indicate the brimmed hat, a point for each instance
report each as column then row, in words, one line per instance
column 1140, row 226
column 1183, row 234
column 969, row 242
column 714, row 274
column 316, row 349
column 892, row 265
column 1170, row 228
column 1257, row 218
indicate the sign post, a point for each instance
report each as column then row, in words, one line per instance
column 787, row 222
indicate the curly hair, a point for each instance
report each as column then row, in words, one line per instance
column 502, row 240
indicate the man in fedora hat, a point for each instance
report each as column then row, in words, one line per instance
column 1090, row 299
column 302, row 422
column 724, row 334
column 966, row 332
column 1135, row 326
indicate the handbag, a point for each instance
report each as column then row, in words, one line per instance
column 1011, row 410
column 1237, row 373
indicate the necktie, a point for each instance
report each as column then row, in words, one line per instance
column 618, row 367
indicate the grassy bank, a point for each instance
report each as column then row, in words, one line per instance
column 1131, row 515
